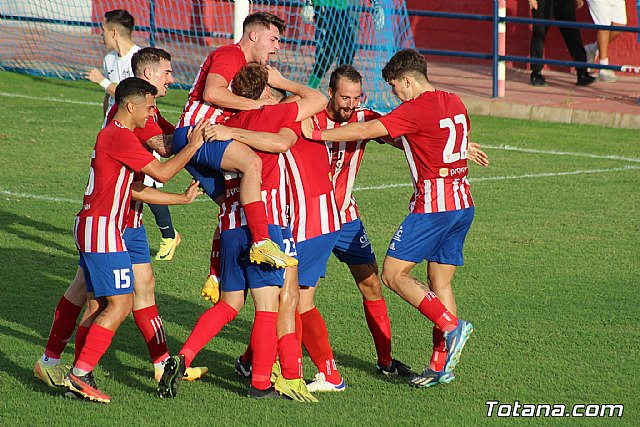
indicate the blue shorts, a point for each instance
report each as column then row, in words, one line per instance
column 205, row 165
column 137, row 245
column 313, row 255
column 436, row 237
column 107, row 274
column 353, row 246
column 237, row 272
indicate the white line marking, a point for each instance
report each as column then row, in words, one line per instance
column 18, row 195
column 69, row 101
column 509, row 177
column 561, row 153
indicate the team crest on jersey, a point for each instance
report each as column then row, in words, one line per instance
column 444, row 172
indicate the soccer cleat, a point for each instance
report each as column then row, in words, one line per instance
column 241, row 368
column 455, row 341
column 396, row 369
column 174, row 370
column 592, row 52
column 269, row 393
column 608, row 76
column 295, row 389
column 85, row 386
column 268, row 252
column 168, row 248
column 276, row 371
column 320, row 384
column 211, row 290
column 190, row 374
column 53, row 376
column 537, row 79
column 429, row 378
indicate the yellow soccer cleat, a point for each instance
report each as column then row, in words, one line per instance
column 295, row 389
column 268, row 252
column 211, row 290
column 276, row 371
column 168, row 248
column 53, row 376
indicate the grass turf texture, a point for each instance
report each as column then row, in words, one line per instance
column 550, row 281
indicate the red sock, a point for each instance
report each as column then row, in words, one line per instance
column 315, row 338
column 207, row 327
column 434, row 310
column 256, row 214
column 81, row 338
column 64, row 322
column 290, row 354
column 439, row 355
column 247, row 356
column 299, row 328
column 98, row 341
column 214, row 263
column 380, row 326
column 152, row 330
column 264, row 343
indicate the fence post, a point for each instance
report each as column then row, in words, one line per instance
column 494, row 52
column 240, row 11
column 502, row 48
column 152, row 23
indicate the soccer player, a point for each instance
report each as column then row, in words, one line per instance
column 210, row 98
column 100, row 223
column 434, row 127
column 116, row 35
column 154, row 66
column 264, row 282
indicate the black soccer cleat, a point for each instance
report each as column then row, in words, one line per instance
column 174, row 369
column 396, row 369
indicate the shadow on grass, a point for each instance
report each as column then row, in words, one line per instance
column 32, row 230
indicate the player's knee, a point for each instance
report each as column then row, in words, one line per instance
column 371, row 288
column 390, row 278
column 253, row 165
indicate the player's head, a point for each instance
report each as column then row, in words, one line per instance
column 136, row 97
column 251, row 82
column 261, row 36
column 404, row 68
column 345, row 92
column 153, row 65
column 117, row 24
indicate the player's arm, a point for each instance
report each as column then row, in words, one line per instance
column 360, row 130
column 163, row 172
column 161, row 144
column 476, row 155
column 311, row 100
column 145, row 194
column 270, row 142
column 216, row 91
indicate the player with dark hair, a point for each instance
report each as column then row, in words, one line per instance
column 272, row 122
column 100, row 223
column 434, row 127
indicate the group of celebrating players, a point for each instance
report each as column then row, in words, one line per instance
column 282, row 169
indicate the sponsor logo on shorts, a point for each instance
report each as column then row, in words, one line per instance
column 392, row 246
column 398, row 236
column 364, row 241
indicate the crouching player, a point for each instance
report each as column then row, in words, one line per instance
column 434, row 126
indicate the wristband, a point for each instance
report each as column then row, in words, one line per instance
column 105, row 83
column 316, row 135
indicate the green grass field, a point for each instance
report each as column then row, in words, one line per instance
column 550, row 281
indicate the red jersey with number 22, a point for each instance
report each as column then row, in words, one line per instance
column 434, row 128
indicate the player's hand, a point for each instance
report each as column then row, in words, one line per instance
column 307, row 128
column 211, row 290
column 196, row 133
column 533, row 4
column 275, row 77
column 192, row 192
column 579, row 3
column 217, row 133
column 476, row 155
column 94, row 75
column 378, row 16
column 307, row 13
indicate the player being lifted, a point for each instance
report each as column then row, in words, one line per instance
column 210, row 98
column 434, row 127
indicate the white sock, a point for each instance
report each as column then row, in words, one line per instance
column 79, row 372
column 49, row 361
column 604, row 61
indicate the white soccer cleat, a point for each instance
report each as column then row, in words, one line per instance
column 320, row 384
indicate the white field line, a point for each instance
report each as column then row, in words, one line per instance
column 67, row 101
column 560, row 153
column 18, row 195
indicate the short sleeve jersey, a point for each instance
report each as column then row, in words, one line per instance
column 269, row 118
column 345, row 158
column 434, row 128
column 313, row 210
column 225, row 61
column 101, row 221
column 118, row 68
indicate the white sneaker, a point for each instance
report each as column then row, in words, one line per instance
column 592, row 53
column 608, row 76
column 321, row 384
